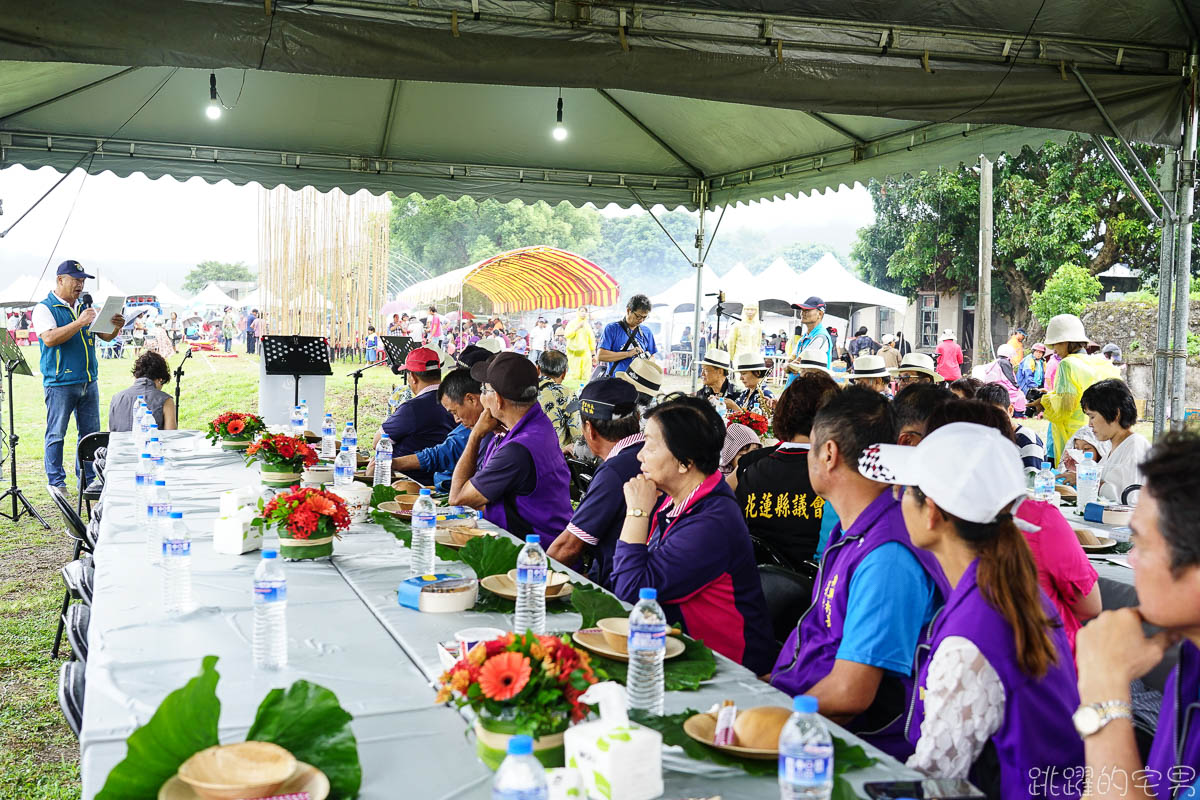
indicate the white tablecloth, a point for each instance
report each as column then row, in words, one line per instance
column 345, row 631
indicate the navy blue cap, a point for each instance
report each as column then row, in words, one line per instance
column 810, row 304
column 606, row 398
column 472, row 354
column 74, row 269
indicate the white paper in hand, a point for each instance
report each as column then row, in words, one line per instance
column 112, row 306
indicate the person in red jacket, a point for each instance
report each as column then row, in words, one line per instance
column 950, row 357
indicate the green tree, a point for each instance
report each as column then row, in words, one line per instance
column 1068, row 291
column 203, row 273
column 1062, row 204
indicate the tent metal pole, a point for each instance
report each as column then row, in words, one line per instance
column 1185, row 198
column 1128, row 179
column 1112, row 126
column 699, row 266
column 1166, row 275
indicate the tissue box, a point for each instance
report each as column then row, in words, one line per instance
column 234, row 535
column 439, row 593
column 622, row 762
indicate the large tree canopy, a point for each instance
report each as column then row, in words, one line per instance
column 1064, row 204
column 205, row 272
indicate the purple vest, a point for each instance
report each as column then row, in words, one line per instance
column 546, row 510
column 1174, row 763
column 1039, row 752
column 810, row 651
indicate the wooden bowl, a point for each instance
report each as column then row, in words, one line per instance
column 462, row 534
column 236, row 771
column 402, row 506
column 616, row 632
column 407, row 487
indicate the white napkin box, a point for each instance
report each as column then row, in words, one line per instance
column 234, row 535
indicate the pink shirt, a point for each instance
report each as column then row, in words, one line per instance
column 258, row 327
column 1064, row 572
column 949, row 360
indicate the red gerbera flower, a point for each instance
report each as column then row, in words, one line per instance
column 235, row 427
column 503, row 677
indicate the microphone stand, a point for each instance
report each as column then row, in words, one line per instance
column 20, row 503
column 178, row 380
column 356, row 374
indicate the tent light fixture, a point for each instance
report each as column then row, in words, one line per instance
column 213, row 111
column 560, row 133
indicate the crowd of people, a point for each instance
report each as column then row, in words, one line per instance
column 953, row 620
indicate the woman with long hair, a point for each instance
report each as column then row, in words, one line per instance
column 995, row 677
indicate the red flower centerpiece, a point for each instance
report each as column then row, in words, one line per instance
column 755, row 422
column 308, row 520
column 281, row 458
column 234, row 430
column 520, row 684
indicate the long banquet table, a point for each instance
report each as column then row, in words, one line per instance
column 345, row 631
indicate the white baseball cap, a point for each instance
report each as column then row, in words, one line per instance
column 975, row 489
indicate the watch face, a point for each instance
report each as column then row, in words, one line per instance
column 1087, row 720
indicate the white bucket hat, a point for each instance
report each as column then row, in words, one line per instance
column 749, row 362
column 869, row 367
column 918, row 362
column 947, row 334
column 814, row 359
column 715, row 357
column 1065, row 328
column 887, row 338
column 976, row 489
column 645, row 375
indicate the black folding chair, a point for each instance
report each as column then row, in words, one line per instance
column 70, row 694
column 85, row 455
column 788, row 594
column 581, row 477
column 77, row 619
column 79, row 532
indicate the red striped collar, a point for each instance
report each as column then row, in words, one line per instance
column 626, row 442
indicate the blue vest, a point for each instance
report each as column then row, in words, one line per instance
column 73, row 361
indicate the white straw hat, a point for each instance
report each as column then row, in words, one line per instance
column 1065, row 328
column 645, row 375
column 716, row 357
column 814, row 359
column 869, row 367
column 975, row 489
column 918, row 362
column 748, row 362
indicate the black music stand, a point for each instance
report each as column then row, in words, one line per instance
column 296, row 356
column 14, row 364
column 396, row 349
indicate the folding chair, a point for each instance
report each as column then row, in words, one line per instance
column 70, row 694
column 78, row 617
column 85, row 456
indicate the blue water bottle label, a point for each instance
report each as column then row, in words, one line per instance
column 813, row 766
column 177, row 547
column 531, row 574
column 536, row 793
column 647, row 637
column 267, row 593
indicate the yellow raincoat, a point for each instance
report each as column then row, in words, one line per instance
column 581, row 344
column 1075, row 373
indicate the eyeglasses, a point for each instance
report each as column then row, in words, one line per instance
column 904, row 380
column 641, row 316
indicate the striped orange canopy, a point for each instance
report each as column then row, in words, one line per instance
column 535, row 277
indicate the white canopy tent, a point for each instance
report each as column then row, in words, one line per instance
column 211, row 295
column 168, row 297
column 28, row 290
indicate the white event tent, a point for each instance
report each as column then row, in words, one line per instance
column 167, row 296
column 211, row 295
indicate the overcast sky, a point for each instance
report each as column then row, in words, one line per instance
column 136, row 231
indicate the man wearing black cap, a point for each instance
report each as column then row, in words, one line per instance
column 513, row 467
column 69, row 367
column 422, row 421
column 816, row 336
column 612, row 431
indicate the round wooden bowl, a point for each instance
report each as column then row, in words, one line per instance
column 616, row 632
column 235, row 771
column 461, row 534
column 405, row 486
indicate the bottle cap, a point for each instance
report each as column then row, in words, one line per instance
column 520, row 745
column 647, row 593
column 804, row 703
column 145, row 455
column 345, row 448
column 269, row 554
column 1046, row 465
column 532, row 538
column 329, row 415
column 424, row 492
column 160, row 483
column 1088, row 456
column 176, row 515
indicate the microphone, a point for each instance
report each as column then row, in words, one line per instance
column 85, row 300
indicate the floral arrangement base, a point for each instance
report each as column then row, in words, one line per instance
column 277, row 476
column 235, row 444
column 491, row 744
column 305, row 549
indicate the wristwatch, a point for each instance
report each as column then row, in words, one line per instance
column 636, row 512
column 1090, row 719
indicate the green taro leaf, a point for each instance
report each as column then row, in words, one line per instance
column 382, row 494
column 308, row 720
column 403, row 533
column 594, row 604
column 682, row 674
column 490, row 555
column 184, row 724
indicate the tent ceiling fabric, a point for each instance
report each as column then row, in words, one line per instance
column 525, row 279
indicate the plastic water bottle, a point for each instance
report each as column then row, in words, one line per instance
column 350, row 439
column 270, row 613
column 531, row 588
column 424, row 528
column 143, row 485
column 647, row 647
column 1087, row 480
column 328, row 439
column 304, row 413
column 177, row 568
column 160, row 510
column 343, row 468
column 136, row 419
column 297, row 422
column 383, row 461
column 521, row 776
column 718, row 401
column 805, row 754
column 1043, row 483
column 155, row 449
column 144, row 430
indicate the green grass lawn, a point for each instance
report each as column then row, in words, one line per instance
column 39, row 757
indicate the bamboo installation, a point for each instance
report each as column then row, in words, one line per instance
column 323, row 262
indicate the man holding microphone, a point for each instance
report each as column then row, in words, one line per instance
column 69, row 366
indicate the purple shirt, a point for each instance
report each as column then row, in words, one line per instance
column 1175, row 756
